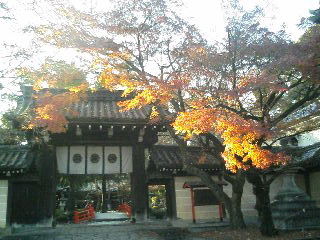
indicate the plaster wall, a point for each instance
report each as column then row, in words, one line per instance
column 248, row 200
column 3, row 202
column 183, row 200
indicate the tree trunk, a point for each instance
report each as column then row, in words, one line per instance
column 236, row 219
column 264, row 210
column 261, row 189
column 236, row 216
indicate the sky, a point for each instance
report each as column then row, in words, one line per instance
column 207, row 15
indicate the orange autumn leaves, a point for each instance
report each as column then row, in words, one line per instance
column 57, row 85
column 146, row 97
column 52, row 110
column 240, row 137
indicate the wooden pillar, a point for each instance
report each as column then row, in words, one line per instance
column 139, row 188
column 171, row 199
column 192, row 206
column 47, row 186
column 220, row 211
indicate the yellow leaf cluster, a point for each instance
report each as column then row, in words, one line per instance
column 146, row 97
column 112, row 79
column 242, row 149
column 195, row 122
column 154, row 113
column 78, row 89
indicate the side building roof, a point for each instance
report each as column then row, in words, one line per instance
column 307, row 157
column 168, row 158
column 310, row 159
column 15, row 160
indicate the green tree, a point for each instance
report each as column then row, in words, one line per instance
column 53, row 74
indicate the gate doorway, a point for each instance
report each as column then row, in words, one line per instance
column 157, row 202
column 162, row 200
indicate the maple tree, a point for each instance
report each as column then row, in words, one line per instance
column 236, row 98
column 265, row 88
column 308, row 50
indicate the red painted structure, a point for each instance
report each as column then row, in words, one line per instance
column 86, row 214
column 194, row 185
column 126, row 208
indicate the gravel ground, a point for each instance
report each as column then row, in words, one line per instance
column 252, row 233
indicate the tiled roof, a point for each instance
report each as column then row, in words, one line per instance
column 98, row 107
column 15, row 159
column 169, row 157
column 307, row 157
column 310, row 158
column 102, row 107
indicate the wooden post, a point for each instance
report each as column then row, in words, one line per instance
column 192, row 206
column 104, row 194
column 47, row 188
column 171, row 199
column 139, row 186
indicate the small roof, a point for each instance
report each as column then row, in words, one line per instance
column 15, row 159
column 169, row 157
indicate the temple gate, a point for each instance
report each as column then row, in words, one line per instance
column 104, row 140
